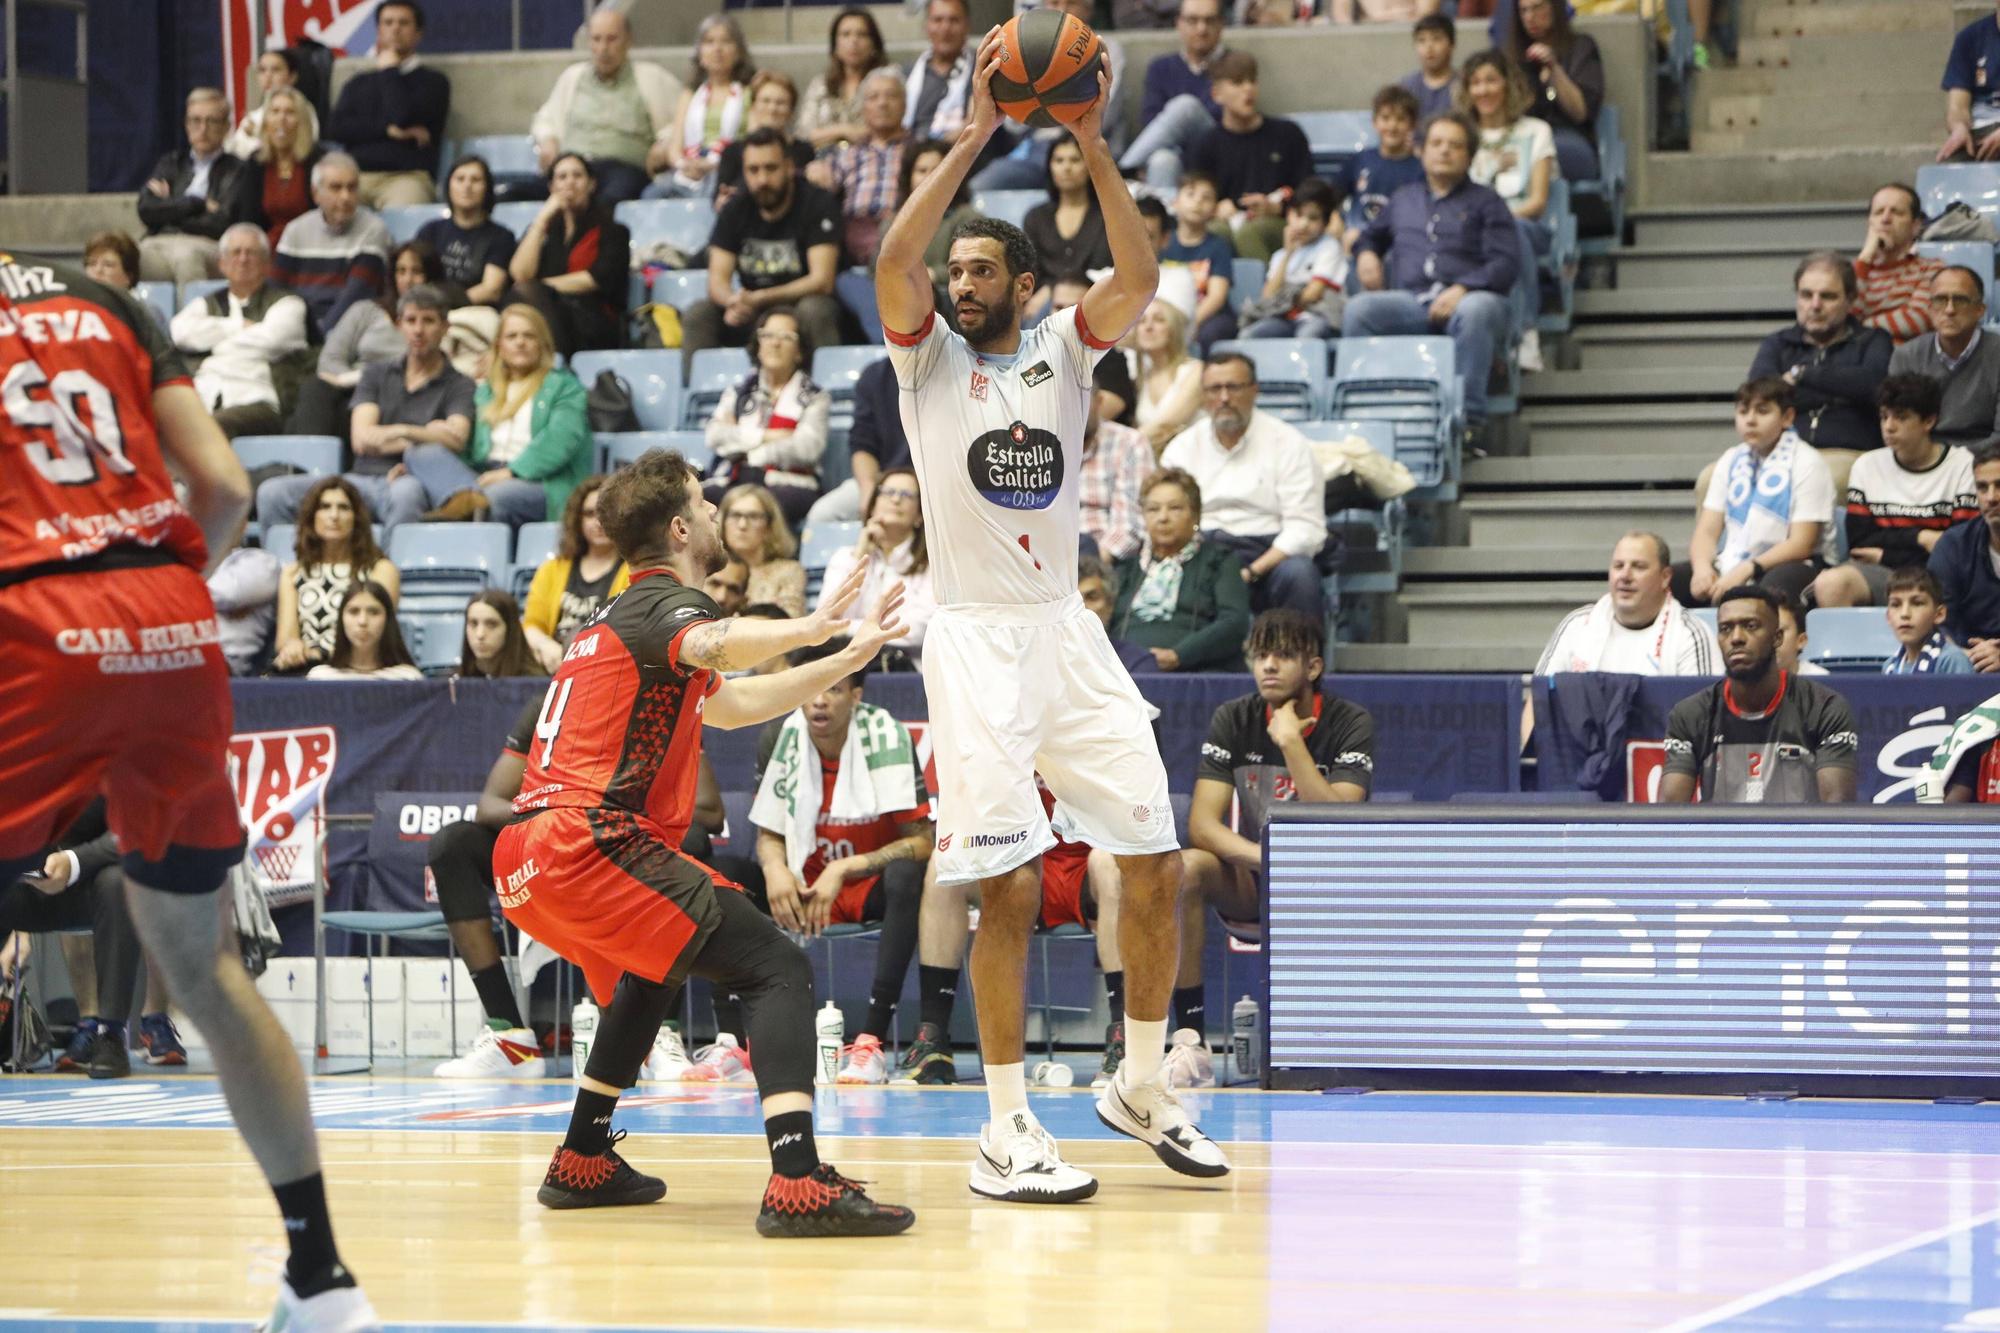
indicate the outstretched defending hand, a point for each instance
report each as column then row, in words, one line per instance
column 831, row 617
column 869, row 637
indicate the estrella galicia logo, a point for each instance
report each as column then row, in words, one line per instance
column 1020, row 467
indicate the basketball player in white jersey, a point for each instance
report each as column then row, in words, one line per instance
column 1020, row 676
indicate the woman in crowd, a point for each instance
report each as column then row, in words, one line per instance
column 710, row 113
column 832, row 113
column 754, row 531
column 892, row 546
column 773, row 97
column 277, row 71
column 1169, row 380
column 531, row 441
column 335, row 548
column 1566, row 81
column 495, row 643
column 572, row 263
column 112, row 258
column 367, row 333
column 1517, row 151
column 278, row 185
column 1181, row 598
column 576, row 582
column 771, row 428
column 368, row 643
column 473, row 248
column 1068, row 230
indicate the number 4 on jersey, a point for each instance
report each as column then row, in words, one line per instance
column 67, row 457
column 550, row 722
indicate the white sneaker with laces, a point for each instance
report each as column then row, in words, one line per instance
column 668, row 1062
column 342, row 1310
column 1020, row 1163
column 864, row 1062
column 724, row 1062
column 1187, row 1063
column 1152, row 1114
column 511, row 1054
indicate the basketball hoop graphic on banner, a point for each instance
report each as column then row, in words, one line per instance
column 281, row 779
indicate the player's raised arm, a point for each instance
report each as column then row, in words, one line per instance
column 218, row 487
column 902, row 283
column 739, row 643
column 748, row 700
column 1114, row 303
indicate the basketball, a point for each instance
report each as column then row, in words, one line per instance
column 1048, row 68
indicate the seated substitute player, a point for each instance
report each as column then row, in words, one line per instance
column 843, row 831
column 592, row 867
column 1288, row 741
column 1760, row 735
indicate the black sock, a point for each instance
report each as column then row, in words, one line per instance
column 1114, row 991
column 590, row 1123
column 496, row 995
column 1191, row 1008
column 793, row 1152
column 315, row 1265
column 937, row 992
column 881, row 1013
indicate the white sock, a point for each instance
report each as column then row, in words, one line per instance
column 1145, row 1046
column 1006, row 1090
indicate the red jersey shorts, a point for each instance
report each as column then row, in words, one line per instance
column 112, row 681
column 1065, row 869
column 605, row 889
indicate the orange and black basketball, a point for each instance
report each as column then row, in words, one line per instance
column 1048, row 68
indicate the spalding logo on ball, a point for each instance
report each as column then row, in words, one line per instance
column 1048, row 68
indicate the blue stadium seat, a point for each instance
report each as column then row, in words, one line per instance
column 1849, row 638
column 194, row 291
column 157, row 297
column 1291, row 373
column 682, row 223
column 1008, row 205
column 1246, row 281
column 1335, row 136
column 518, row 216
column 444, row 564
column 405, row 222
column 617, row 449
column 281, row 540
column 817, row 545
column 511, row 156
column 435, row 638
column 1607, row 193
column 837, row 370
column 714, row 371
column 318, row 455
column 654, row 377
column 681, row 287
column 533, row 544
column 1560, row 263
column 1412, row 383
column 1705, row 614
column 1976, row 184
column 1388, row 522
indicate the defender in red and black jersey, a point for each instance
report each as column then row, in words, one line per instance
column 112, row 681
column 592, row 866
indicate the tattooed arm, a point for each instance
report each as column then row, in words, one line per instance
column 737, row 644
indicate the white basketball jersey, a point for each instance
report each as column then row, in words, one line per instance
column 997, row 442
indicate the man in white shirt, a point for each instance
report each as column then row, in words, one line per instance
column 1262, row 495
column 1636, row 627
column 244, row 330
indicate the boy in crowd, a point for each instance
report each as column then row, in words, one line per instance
column 1209, row 257
column 1305, row 289
column 1373, row 174
column 1916, row 615
column 1436, row 40
column 1792, row 640
column 1255, row 160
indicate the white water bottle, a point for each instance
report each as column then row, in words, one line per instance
column 1246, row 1044
column 582, row 1033
column 830, row 1026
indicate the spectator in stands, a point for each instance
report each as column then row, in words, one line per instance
column 1566, row 73
column 1766, row 517
column 1966, row 561
column 729, row 587
column 863, row 172
column 335, row 547
column 773, row 98
column 1834, row 362
column 474, row 250
column 1517, row 152
column 709, row 113
column 190, row 199
column 610, row 108
column 831, row 114
column 277, row 71
column 367, row 641
column 1260, row 485
column 1443, row 256
column 275, row 184
column 1179, row 104
column 1972, row 93
column 1209, row 257
column 366, row 334
column 1792, row 640
column 418, row 399
column 1894, row 279
column 1068, row 230
column 573, row 262
column 771, row 428
column 1637, row 627
column 1432, row 83
column 1959, row 357
column 112, row 258
column 531, row 442
column 336, row 254
column 572, row 585
column 1305, row 288
column 1759, row 736
column 940, row 79
column 243, row 333
column 1916, row 613
column 1167, row 379
column 892, row 547
column 1110, row 483
column 244, row 588
column 1378, row 11
column 391, row 118
column 754, row 531
column 875, row 442
column 1900, row 498
column 495, row 644
column 1182, row 599
column 781, row 238
column 1256, row 160
column 1373, row 174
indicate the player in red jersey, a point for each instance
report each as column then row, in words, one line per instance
column 114, row 683
column 592, row 865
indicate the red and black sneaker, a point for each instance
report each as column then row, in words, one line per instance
column 827, row 1203
column 599, row 1180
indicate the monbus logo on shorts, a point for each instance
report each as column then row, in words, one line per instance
column 515, row 891
column 996, row 839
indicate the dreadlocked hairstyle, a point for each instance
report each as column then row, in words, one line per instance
column 1284, row 633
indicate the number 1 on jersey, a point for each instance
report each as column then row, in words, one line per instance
column 550, row 722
